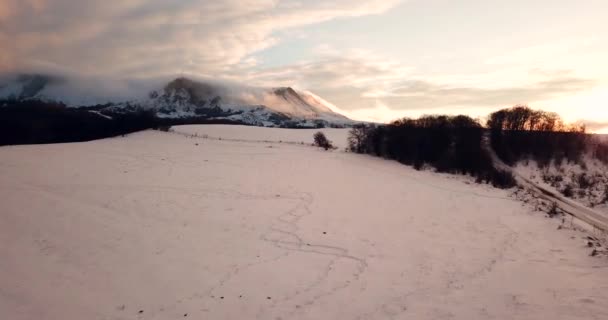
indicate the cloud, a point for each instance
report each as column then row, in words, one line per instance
column 341, row 77
column 350, row 68
column 596, row 126
column 220, row 39
column 422, row 94
column 155, row 36
column 364, row 84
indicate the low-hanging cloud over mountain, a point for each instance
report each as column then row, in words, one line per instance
column 408, row 62
column 374, row 80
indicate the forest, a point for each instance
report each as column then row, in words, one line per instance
column 459, row 144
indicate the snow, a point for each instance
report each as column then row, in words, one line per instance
column 171, row 225
column 184, row 96
column 179, row 98
column 260, row 134
column 100, row 114
column 556, row 177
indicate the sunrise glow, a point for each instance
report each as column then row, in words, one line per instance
column 375, row 61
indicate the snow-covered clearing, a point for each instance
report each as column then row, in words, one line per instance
column 259, row 134
column 162, row 226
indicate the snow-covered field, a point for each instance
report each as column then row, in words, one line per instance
column 260, row 134
column 164, row 226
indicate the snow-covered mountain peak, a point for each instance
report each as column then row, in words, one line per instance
column 188, row 95
column 179, row 98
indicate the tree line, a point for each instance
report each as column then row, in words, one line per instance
column 451, row 144
column 521, row 133
column 454, row 144
column 36, row 122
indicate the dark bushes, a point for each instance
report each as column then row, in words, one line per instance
column 553, row 210
column 599, row 149
column 33, row 122
column 541, row 146
column 163, row 128
column 568, row 191
column 322, row 141
column 447, row 143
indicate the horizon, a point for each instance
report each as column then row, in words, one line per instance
column 375, row 61
column 303, row 159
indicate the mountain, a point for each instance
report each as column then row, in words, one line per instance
column 181, row 99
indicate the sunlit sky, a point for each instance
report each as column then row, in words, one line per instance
column 374, row 59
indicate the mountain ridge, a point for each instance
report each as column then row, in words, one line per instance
column 184, row 98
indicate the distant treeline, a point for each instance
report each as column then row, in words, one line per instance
column 455, row 144
column 42, row 122
column 522, row 133
column 36, row 122
column 451, row 144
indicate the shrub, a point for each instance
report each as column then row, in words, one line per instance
column 553, row 211
column 163, row 128
column 568, row 191
column 322, row 141
column 503, row 179
column 585, row 182
column 599, row 149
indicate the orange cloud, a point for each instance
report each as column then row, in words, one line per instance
column 7, row 10
column 10, row 8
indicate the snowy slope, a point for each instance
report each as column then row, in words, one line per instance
column 164, row 226
column 586, row 182
column 185, row 96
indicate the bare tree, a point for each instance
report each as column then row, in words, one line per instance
column 357, row 138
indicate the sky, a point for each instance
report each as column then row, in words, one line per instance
column 376, row 60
